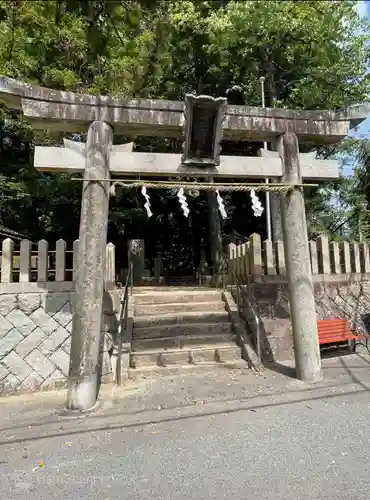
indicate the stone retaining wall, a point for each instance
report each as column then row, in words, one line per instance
column 35, row 336
column 340, row 296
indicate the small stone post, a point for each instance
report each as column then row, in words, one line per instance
column 323, row 253
column 7, row 255
column 345, row 257
column 25, row 261
column 89, row 276
column 268, row 258
column 280, row 258
column 255, row 255
column 298, row 266
column 231, row 262
column 110, row 266
column 334, row 257
column 60, row 260
column 158, row 265
column 314, row 260
column 136, row 254
column 42, row 261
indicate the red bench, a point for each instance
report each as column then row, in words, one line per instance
column 338, row 331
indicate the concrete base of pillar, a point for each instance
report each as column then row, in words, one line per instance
column 82, row 395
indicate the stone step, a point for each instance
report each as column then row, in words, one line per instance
column 160, row 331
column 174, row 307
column 180, row 318
column 182, row 342
column 220, row 354
column 177, row 296
column 148, row 371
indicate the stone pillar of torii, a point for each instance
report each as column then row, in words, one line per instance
column 203, row 122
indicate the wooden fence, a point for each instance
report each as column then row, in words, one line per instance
column 29, row 262
column 256, row 258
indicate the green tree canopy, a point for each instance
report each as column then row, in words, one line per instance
column 312, row 54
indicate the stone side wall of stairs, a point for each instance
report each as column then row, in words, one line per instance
column 336, row 297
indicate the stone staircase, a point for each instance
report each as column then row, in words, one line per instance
column 178, row 326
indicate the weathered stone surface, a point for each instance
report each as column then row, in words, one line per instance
column 44, row 321
column 61, row 361
column 297, row 255
column 16, row 365
column 31, row 383
column 168, row 165
column 34, row 287
column 64, row 316
column 9, row 341
column 7, row 304
column 54, row 381
column 40, row 363
column 29, row 302
column 73, row 112
column 21, row 322
column 3, row 372
column 9, row 384
column 89, row 282
column 108, row 341
column 7, row 254
column 54, row 302
column 5, row 326
column 112, row 301
column 30, row 343
column 52, row 342
column 67, row 345
column 106, row 364
column 46, row 347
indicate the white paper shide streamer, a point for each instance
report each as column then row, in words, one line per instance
column 182, row 200
column 147, row 202
column 221, row 206
column 256, row 204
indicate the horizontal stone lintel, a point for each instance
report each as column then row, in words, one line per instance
column 52, row 159
column 70, row 112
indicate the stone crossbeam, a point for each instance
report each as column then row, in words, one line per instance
column 70, row 112
column 72, row 160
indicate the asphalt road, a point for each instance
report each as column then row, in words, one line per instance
column 282, row 447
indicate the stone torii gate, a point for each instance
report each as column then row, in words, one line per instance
column 98, row 159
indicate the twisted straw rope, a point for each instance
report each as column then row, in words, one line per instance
column 189, row 186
